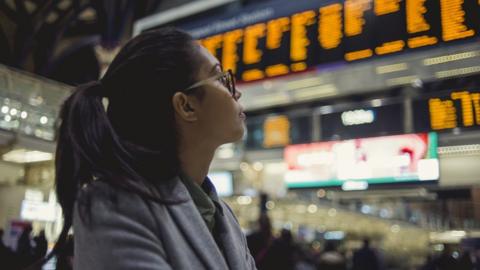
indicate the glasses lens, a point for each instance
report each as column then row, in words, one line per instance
column 231, row 82
column 224, row 81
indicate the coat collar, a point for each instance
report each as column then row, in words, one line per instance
column 189, row 220
column 171, row 191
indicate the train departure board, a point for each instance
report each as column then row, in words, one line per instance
column 282, row 37
column 455, row 109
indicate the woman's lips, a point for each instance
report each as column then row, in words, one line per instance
column 242, row 115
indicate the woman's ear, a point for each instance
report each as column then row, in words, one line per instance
column 184, row 107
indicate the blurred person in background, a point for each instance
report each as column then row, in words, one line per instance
column 6, row 255
column 446, row 261
column 282, row 253
column 465, row 261
column 304, row 260
column 24, row 253
column 41, row 245
column 65, row 256
column 365, row 258
column 331, row 259
column 429, row 263
column 131, row 175
column 260, row 240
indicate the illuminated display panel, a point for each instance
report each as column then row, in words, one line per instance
column 330, row 26
column 377, row 160
column 230, row 55
column 447, row 111
column 362, row 122
column 453, row 20
column 346, row 31
column 277, row 41
column 278, row 131
column 389, row 39
column 421, row 16
column 358, row 19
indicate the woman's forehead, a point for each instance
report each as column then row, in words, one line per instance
column 208, row 60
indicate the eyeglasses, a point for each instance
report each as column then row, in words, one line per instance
column 226, row 78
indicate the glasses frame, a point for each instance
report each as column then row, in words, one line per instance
column 230, row 79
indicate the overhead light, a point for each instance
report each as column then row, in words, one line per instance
column 244, row 200
column 366, row 209
column 401, row 80
column 450, row 58
column 271, row 99
column 321, row 193
column 391, row 68
column 376, row 102
column 26, row 156
column 312, row 208
column 270, row 205
column 355, row 185
column 395, row 228
column 43, row 120
column 447, row 236
column 315, row 92
column 5, row 109
column 36, row 100
column 258, row 166
column 244, row 166
column 308, row 82
column 459, row 149
column 457, row 71
column 23, row 114
column 326, row 109
column 332, row 212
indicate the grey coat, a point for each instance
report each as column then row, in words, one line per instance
column 126, row 231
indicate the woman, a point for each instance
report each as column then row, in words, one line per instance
column 132, row 175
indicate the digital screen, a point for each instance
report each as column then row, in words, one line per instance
column 447, row 111
column 377, row 160
column 34, row 210
column 350, row 30
column 278, row 131
column 223, row 182
column 362, row 122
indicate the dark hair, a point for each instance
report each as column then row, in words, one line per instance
column 134, row 142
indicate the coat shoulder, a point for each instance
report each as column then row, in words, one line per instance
column 100, row 202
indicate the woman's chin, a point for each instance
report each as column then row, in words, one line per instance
column 237, row 135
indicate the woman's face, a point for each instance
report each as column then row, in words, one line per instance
column 220, row 116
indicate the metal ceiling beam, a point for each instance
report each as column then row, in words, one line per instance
column 173, row 14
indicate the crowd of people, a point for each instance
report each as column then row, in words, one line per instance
column 269, row 252
column 31, row 249
column 284, row 253
column 28, row 250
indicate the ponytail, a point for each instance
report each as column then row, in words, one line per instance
column 87, row 149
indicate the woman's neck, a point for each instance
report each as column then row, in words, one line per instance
column 195, row 159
